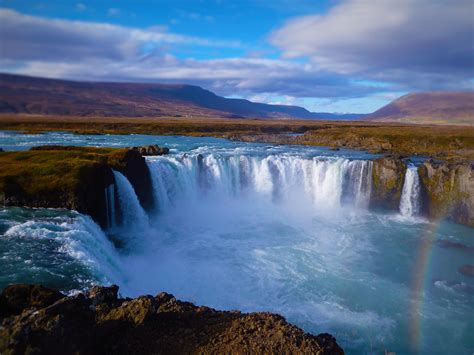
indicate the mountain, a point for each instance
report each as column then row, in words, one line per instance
column 23, row 94
column 429, row 108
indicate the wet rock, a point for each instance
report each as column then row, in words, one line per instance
column 150, row 150
column 467, row 270
column 136, row 311
column 448, row 190
column 388, row 175
column 444, row 243
column 99, row 322
column 100, row 294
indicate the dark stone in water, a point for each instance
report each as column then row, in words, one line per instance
column 98, row 322
column 151, row 150
column 467, row 270
column 444, row 243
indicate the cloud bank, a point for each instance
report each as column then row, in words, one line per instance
column 357, row 49
column 417, row 44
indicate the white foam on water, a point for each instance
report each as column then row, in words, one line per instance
column 80, row 238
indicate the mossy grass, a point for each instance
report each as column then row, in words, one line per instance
column 440, row 142
column 51, row 168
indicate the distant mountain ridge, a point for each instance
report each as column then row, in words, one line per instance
column 428, row 108
column 33, row 95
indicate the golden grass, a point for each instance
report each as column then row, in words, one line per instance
column 443, row 142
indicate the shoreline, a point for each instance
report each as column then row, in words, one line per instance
column 446, row 143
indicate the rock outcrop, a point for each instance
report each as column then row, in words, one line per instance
column 467, row 270
column 151, row 150
column 448, row 190
column 71, row 177
column 99, row 322
column 388, row 175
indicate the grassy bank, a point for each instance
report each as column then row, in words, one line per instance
column 58, row 170
column 441, row 142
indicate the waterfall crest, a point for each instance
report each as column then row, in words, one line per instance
column 410, row 199
column 133, row 214
column 319, row 182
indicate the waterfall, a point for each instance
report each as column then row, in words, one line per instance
column 410, row 200
column 110, row 206
column 358, row 183
column 133, row 214
column 318, row 182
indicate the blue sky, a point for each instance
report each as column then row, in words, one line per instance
column 334, row 56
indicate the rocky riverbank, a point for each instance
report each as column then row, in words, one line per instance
column 35, row 319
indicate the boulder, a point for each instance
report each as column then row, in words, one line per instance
column 467, row 270
column 98, row 322
column 15, row 298
column 100, row 294
column 151, row 150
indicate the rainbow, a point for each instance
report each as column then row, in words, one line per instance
column 419, row 283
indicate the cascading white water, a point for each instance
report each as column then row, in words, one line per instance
column 410, row 199
column 321, row 182
column 133, row 214
column 110, row 206
column 73, row 237
column 359, row 183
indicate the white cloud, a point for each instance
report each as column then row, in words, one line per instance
column 27, row 37
column 344, row 63
column 100, row 51
column 387, row 39
column 81, row 7
column 113, row 11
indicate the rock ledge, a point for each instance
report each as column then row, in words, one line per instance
column 39, row 320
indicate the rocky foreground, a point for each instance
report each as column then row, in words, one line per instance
column 35, row 319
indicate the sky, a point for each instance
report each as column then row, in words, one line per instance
column 325, row 55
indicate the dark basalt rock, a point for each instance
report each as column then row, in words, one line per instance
column 134, row 167
column 444, row 243
column 81, row 187
column 15, row 298
column 448, row 190
column 467, row 270
column 100, row 322
column 388, row 176
column 151, row 150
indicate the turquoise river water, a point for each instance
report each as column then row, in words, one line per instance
column 258, row 227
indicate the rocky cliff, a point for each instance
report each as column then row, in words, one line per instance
column 388, row 175
column 70, row 177
column 44, row 321
column 448, row 190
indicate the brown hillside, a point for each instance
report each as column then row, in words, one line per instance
column 40, row 96
column 429, row 108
